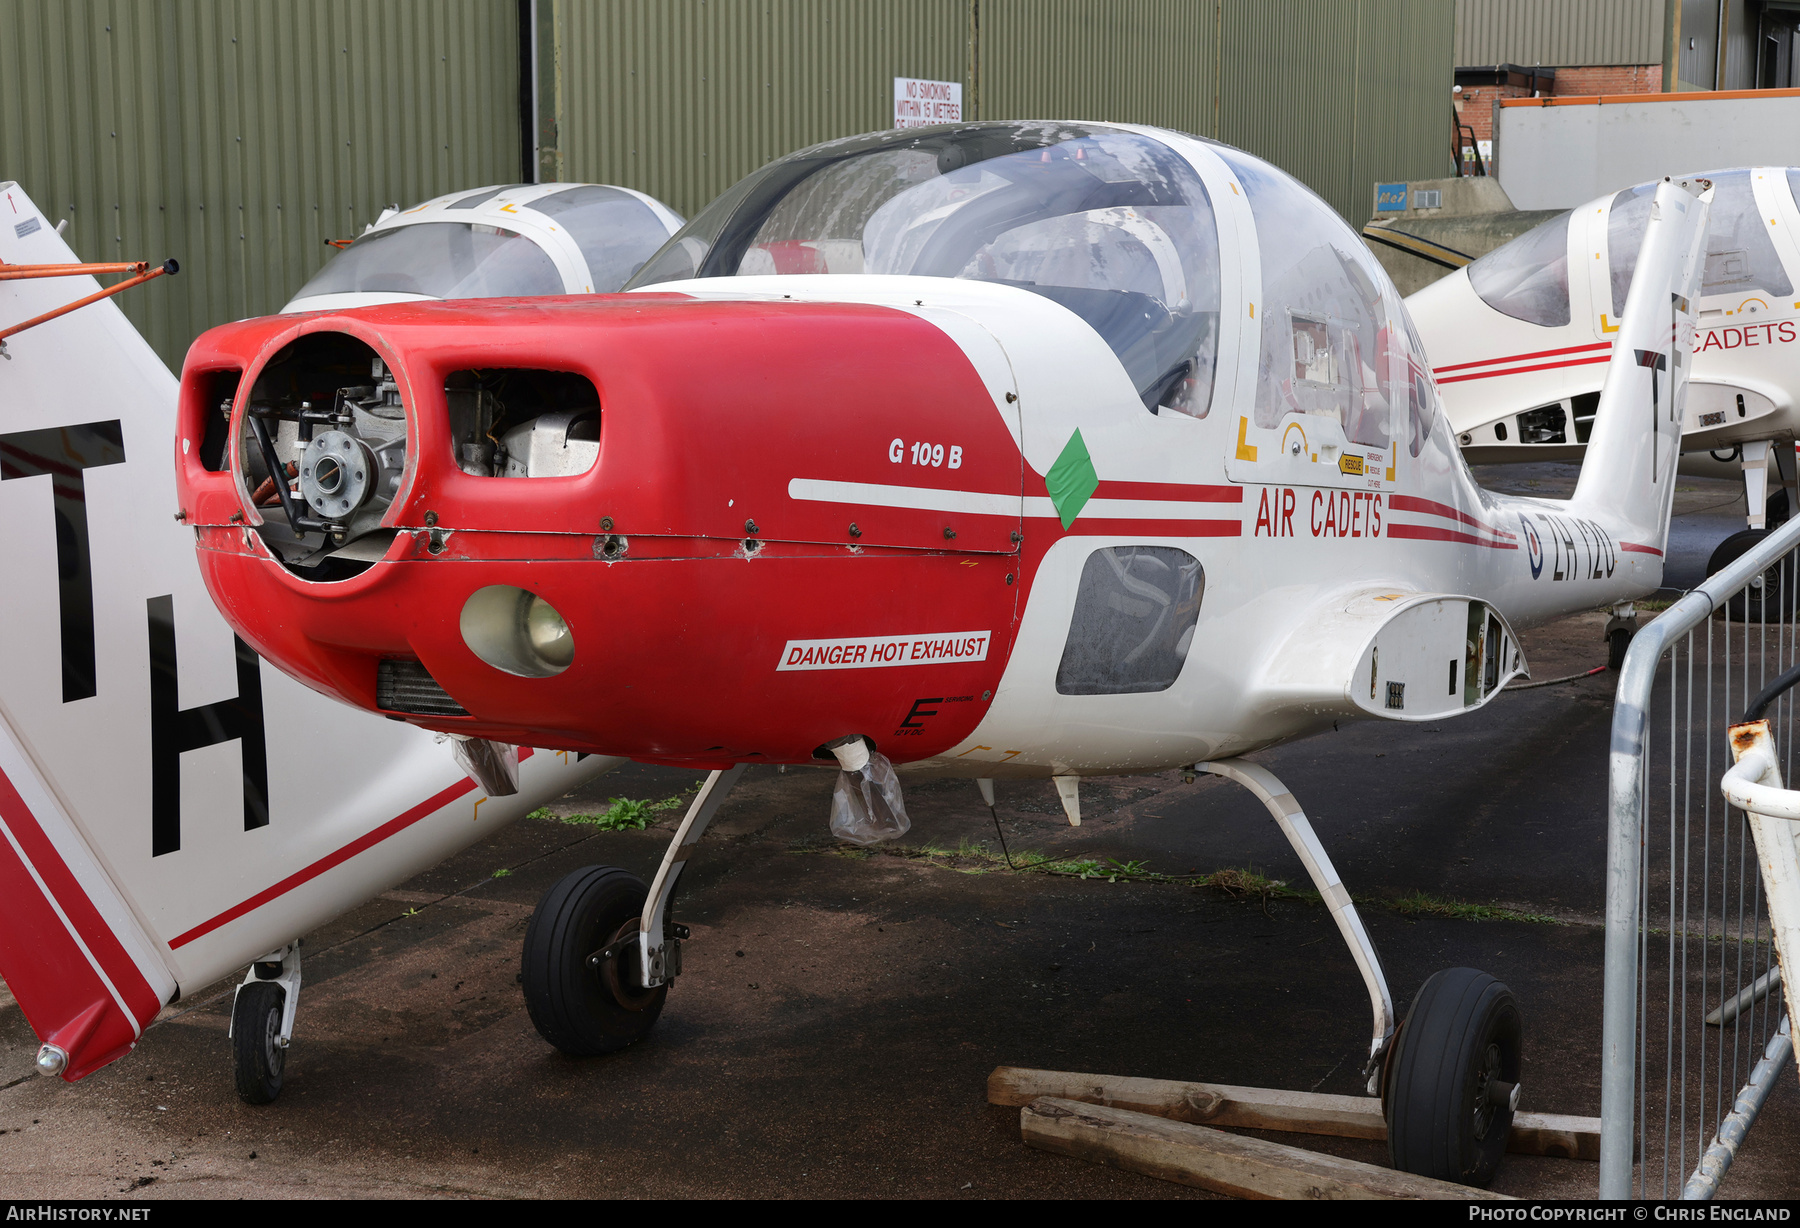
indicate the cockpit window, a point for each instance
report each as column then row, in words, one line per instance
column 1334, row 339
column 1739, row 255
column 1115, row 227
column 442, row 259
column 1528, row 278
column 614, row 230
column 1625, row 224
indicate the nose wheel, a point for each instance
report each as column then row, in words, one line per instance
column 601, row 950
column 1452, row 1078
column 581, row 969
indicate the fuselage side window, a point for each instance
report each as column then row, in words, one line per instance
column 1333, row 344
column 1422, row 405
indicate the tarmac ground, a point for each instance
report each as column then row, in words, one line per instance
column 840, row 1010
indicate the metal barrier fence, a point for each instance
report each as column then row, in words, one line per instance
column 1695, row 1030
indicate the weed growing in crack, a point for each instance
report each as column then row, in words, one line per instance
column 621, row 814
column 1246, row 882
column 1420, row 904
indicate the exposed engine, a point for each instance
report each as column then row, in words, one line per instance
column 326, row 444
column 326, row 416
column 514, row 423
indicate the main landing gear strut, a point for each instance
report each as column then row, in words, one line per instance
column 601, row 950
column 1448, row 1074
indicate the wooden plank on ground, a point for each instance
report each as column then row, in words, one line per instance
column 1214, row 1160
column 1555, row 1134
column 1266, row 1108
column 1209, row 1104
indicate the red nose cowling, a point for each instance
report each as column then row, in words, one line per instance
column 691, row 639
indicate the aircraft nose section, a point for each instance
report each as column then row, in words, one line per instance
column 562, row 522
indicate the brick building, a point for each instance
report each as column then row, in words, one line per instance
column 1584, row 48
column 1477, row 89
column 1548, row 48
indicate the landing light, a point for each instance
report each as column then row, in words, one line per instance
column 517, row 631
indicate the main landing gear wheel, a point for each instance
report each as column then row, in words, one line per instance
column 1771, row 596
column 1776, row 510
column 1618, row 640
column 1452, row 1078
column 583, row 1009
column 256, row 1041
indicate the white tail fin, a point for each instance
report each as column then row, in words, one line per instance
column 170, row 809
column 1628, row 478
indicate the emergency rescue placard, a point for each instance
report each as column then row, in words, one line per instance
column 918, row 102
column 876, row 651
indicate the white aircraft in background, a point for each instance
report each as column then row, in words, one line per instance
column 504, row 241
column 171, row 809
column 1024, row 450
column 1520, row 339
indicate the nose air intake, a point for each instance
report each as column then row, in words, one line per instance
column 407, row 686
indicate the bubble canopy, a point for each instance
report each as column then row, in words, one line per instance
column 1115, row 226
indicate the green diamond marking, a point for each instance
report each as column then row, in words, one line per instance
column 1072, row 480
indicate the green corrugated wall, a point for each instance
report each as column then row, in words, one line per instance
column 1341, row 92
column 682, row 98
column 1147, row 62
column 237, row 135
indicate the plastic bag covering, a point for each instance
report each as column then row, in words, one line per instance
column 1528, row 278
column 866, row 807
column 1739, row 255
column 492, row 765
column 445, row 260
column 1133, row 623
column 1335, row 341
column 1114, row 226
column 615, row 231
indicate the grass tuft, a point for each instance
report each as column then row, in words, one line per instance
column 1419, row 904
column 1248, row 881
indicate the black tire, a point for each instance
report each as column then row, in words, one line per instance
column 585, row 1011
column 256, row 1041
column 1616, row 644
column 1776, row 508
column 1774, row 598
column 1462, row 1033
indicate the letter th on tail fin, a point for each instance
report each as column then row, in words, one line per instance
column 171, row 807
